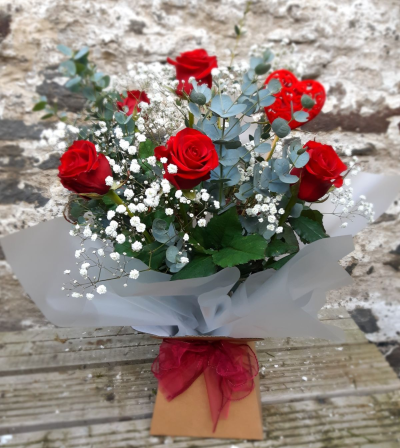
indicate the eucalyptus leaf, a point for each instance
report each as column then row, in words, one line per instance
column 307, row 102
column 67, row 68
column 81, row 53
column 195, row 110
column 274, row 86
column 301, row 116
column 65, row 50
column 281, row 127
column 263, row 148
column 288, row 178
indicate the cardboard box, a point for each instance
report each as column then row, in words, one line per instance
column 189, row 414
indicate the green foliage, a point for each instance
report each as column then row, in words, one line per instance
column 307, row 229
column 199, row 266
column 281, row 127
column 272, row 264
column 153, row 255
column 146, row 149
column 240, row 250
column 83, row 78
column 223, row 239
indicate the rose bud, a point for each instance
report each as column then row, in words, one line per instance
column 132, row 101
column 323, row 170
column 196, row 63
column 82, row 170
column 190, row 156
column 308, row 96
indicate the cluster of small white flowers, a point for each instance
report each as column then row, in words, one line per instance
column 346, row 206
column 266, row 210
column 161, row 118
column 89, row 264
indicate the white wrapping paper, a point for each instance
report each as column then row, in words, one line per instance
column 267, row 304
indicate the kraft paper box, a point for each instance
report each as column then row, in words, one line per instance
column 189, row 413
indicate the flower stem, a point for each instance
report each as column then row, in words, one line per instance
column 273, row 146
column 290, row 204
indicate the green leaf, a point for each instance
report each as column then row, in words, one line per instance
column 272, row 264
column 279, row 247
column 107, row 200
column 281, row 127
column 146, row 149
column 198, row 98
column 153, row 254
column 290, row 239
column 307, row 229
column 76, row 210
column 49, row 115
column 73, row 83
column 39, row 106
column 200, row 266
column 261, row 69
column 219, row 230
column 307, row 102
column 65, row 50
column 67, row 68
column 81, row 53
column 315, row 215
column 89, row 93
column 240, row 250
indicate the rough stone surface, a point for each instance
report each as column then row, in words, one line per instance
column 351, row 46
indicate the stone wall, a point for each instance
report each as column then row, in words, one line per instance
column 351, row 46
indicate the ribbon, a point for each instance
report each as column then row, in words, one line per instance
column 229, row 371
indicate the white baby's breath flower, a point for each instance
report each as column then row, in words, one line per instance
column 67, row 271
column 134, row 274
column 110, row 214
column 132, row 150
column 202, row 222
column 75, row 294
column 109, row 181
column 137, row 246
column 120, row 238
column 169, row 211
column 184, row 260
column 172, row 169
column 101, row 289
column 205, row 196
column 178, row 194
column 100, row 252
column 121, row 209
column 94, row 237
column 135, row 167
column 185, row 237
column 164, row 160
column 78, row 253
column 89, row 296
column 115, row 256
column 279, row 229
column 141, row 227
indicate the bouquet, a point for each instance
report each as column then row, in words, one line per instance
column 196, row 209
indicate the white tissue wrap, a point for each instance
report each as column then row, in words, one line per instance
column 268, row 304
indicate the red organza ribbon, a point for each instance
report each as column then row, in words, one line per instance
column 229, row 370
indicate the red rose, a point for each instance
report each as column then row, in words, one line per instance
column 323, row 170
column 82, row 170
column 196, row 63
column 132, row 100
column 193, row 153
column 290, row 97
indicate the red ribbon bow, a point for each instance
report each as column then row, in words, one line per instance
column 229, row 370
